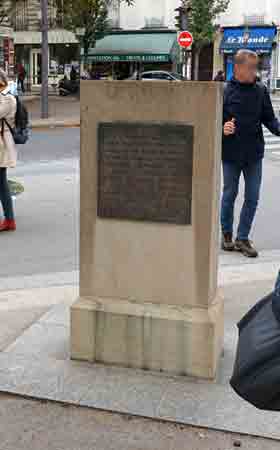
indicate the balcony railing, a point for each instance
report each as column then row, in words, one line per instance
column 20, row 18
column 20, row 23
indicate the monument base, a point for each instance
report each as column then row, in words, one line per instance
column 177, row 340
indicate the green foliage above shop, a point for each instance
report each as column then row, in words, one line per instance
column 90, row 16
column 201, row 23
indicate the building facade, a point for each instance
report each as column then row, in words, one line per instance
column 143, row 37
column 143, row 34
column 147, row 13
column 253, row 25
column 26, row 25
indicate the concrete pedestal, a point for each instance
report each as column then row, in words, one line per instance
column 148, row 291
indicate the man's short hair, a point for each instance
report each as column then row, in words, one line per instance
column 242, row 56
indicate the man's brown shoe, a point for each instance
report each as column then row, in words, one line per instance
column 227, row 243
column 246, row 248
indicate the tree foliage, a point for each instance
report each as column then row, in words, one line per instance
column 91, row 16
column 202, row 20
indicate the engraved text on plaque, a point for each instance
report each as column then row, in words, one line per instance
column 145, row 171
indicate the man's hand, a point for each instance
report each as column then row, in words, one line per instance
column 229, row 128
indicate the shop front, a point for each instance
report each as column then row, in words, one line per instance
column 262, row 40
column 63, row 51
column 121, row 54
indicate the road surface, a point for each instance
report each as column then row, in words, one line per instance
column 47, row 213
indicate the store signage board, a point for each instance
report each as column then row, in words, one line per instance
column 130, row 58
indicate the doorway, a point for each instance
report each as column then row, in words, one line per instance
column 36, row 67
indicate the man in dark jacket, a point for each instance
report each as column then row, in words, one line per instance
column 247, row 106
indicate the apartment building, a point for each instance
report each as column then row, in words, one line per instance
column 143, row 34
column 26, row 25
column 253, row 24
column 143, row 37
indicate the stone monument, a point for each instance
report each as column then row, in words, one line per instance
column 150, row 189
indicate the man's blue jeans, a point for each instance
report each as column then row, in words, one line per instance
column 253, row 178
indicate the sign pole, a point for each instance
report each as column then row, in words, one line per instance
column 185, row 40
column 184, row 62
column 185, row 26
column 45, row 61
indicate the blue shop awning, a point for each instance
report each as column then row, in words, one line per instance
column 258, row 39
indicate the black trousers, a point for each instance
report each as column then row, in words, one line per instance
column 21, row 83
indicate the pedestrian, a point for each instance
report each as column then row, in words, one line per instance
column 247, row 106
column 73, row 75
column 8, row 154
column 220, row 76
column 21, row 77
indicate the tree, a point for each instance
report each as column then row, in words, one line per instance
column 202, row 24
column 91, row 16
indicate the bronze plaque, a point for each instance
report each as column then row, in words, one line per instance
column 145, row 171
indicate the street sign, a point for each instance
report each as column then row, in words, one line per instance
column 185, row 39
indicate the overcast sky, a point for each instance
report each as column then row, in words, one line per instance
column 239, row 8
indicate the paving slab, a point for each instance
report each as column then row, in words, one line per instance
column 41, row 338
column 63, row 112
column 20, row 309
column 37, row 364
column 58, row 315
column 15, row 322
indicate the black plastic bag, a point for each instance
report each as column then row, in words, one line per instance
column 256, row 374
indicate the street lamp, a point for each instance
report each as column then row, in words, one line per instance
column 45, row 60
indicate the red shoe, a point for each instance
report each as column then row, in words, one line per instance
column 8, row 225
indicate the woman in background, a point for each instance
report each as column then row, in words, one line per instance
column 8, row 153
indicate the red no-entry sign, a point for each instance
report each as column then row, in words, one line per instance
column 185, row 39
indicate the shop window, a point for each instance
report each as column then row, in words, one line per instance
column 147, row 76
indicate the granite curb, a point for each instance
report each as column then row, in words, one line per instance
column 55, row 123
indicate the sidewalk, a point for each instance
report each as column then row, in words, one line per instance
column 35, row 425
column 63, row 112
column 34, row 361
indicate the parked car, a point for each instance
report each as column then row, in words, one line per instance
column 156, row 75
